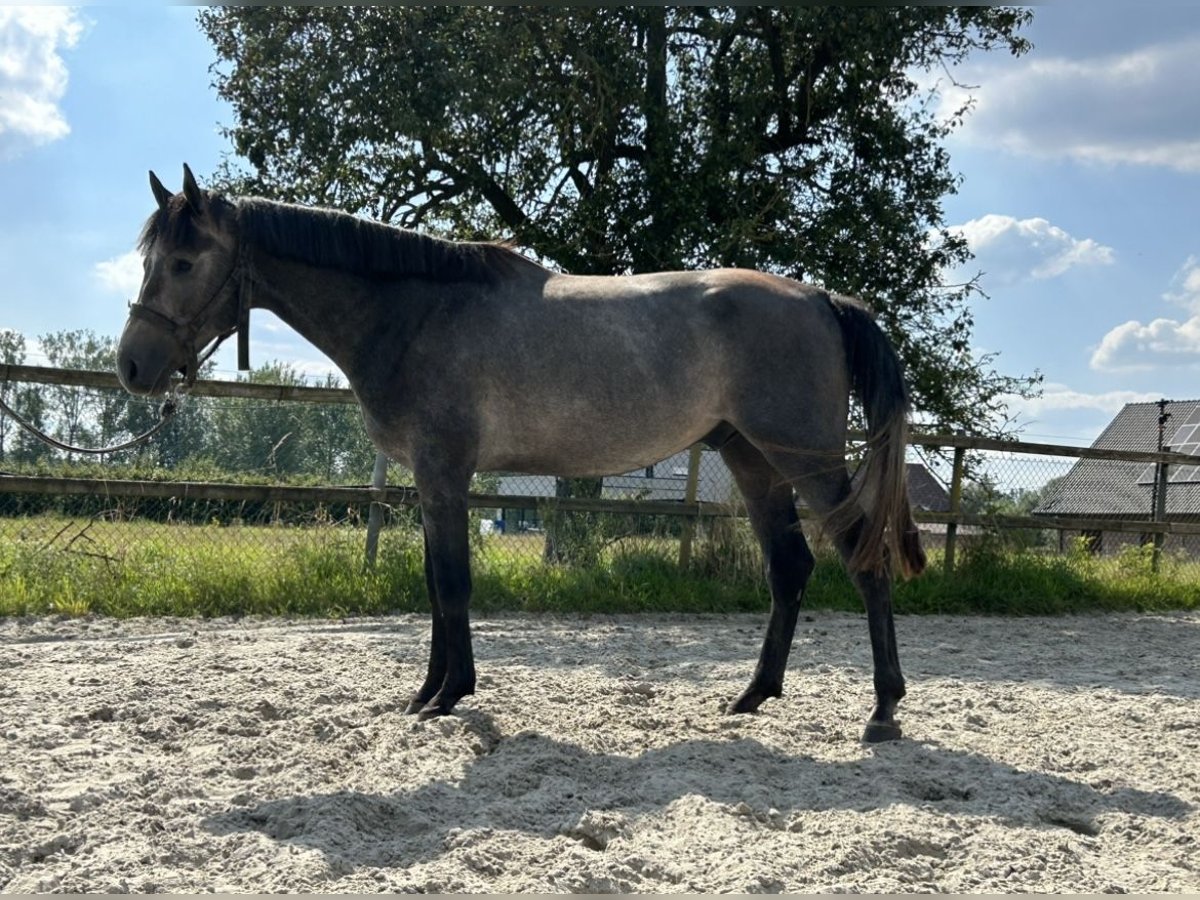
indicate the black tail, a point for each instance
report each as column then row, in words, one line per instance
column 881, row 493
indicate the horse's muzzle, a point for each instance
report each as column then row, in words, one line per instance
column 146, row 361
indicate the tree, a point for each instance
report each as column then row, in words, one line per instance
column 983, row 496
column 629, row 139
column 12, row 352
column 335, row 442
column 189, row 435
column 256, row 435
column 80, row 419
column 30, row 403
column 324, row 440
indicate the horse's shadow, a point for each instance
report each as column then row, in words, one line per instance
column 534, row 784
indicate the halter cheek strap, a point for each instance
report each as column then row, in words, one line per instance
column 185, row 333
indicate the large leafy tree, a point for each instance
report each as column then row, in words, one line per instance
column 628, row 139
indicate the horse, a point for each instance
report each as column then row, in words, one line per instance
column 468, row 356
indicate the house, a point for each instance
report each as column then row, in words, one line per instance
column 927, row 494
column 1124, row 491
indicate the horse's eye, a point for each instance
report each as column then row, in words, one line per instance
column 180, row 266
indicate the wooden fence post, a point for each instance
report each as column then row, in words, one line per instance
column 956, row 478
column 689, row 497
column 375, row 515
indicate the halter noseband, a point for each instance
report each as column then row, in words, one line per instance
column 185, row 333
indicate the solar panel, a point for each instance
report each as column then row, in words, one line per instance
column 1186, row 440
column 1183, row 437
column 1175, row 474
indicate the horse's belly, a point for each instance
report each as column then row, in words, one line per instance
column 586, row 449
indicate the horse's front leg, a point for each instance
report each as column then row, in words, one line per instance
column 436, row 672
column 448, row 572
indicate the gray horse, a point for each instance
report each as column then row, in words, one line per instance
column 469, row 357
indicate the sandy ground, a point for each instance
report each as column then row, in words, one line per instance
column 168, row 755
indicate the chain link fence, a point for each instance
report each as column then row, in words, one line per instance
column 256, row 478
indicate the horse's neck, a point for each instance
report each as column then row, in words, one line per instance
column 336, row 312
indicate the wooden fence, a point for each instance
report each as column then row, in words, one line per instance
column 690, row 508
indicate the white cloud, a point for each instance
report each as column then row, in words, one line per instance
column 121, row 274
column 1185, row 286
column 33, row 77
column 1139, row 107
column 1010, row 250
column 1058, row 397
column 1161, row 342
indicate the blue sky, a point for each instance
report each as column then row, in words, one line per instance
column 1080, row 193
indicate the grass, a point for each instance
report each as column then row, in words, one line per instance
column 52, row 565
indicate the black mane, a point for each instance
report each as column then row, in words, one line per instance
column 336, row 240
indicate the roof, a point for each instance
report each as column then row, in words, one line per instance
column 924, row 491
column 1102, row 487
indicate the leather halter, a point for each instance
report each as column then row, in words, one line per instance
column 185, row 332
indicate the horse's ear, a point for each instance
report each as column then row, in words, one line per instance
column 191, row 190
column 161, row 194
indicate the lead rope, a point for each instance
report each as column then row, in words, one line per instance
column 167, row 411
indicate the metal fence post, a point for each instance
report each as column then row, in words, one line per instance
column 689, row 497
column 1159, row 511
column 375, row 515
column 1160, row 514
column 956, row 478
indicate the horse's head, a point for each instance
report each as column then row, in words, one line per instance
column 190, row 294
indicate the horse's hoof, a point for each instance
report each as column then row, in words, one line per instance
column 749, row 702
column 432, row 710
column 878, row 732
column 414, row 707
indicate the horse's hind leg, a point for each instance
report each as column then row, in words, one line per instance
column 771, row 506
column 824, row 483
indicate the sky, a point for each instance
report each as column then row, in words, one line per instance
column 1080, row 191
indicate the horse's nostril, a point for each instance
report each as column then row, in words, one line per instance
column 130, row 371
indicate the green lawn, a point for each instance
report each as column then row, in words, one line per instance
column 51, row 564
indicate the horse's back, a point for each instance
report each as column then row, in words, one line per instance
column 591, row 375
column 721, row 314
